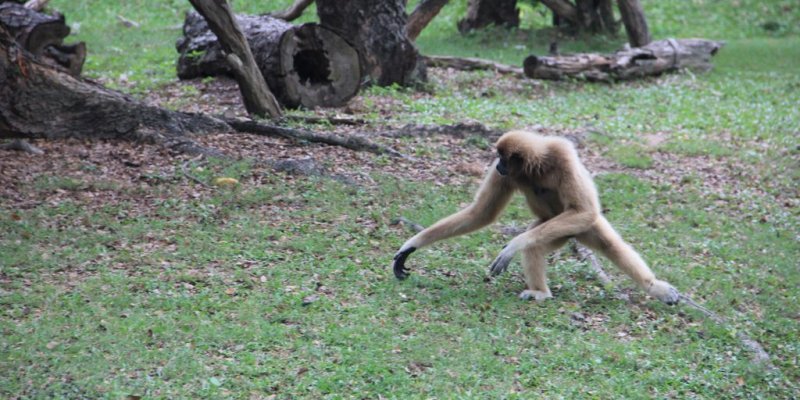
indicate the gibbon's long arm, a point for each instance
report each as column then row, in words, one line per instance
column 492, row 197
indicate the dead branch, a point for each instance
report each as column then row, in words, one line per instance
column 411, row 225
column 293, row 12
column 425, row 12
column 760, row 356
column 356, row 143
column 473, row 64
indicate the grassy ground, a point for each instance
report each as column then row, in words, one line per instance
column 123, row 281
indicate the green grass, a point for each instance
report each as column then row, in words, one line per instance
column 173, row 296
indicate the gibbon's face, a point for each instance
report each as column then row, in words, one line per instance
column 508, row 163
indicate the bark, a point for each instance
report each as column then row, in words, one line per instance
column 258, row 100
column 294, row 11
column 654, row 59
column 635, row 22
column 481, row 13
column 377, row 29
column 305, row 65
column 425, row 12
column 38, row 101
column 36, row 5
column 43, row 35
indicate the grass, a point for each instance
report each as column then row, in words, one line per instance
column 174, row 296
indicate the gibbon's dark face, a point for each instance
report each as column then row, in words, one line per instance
column 508, row 163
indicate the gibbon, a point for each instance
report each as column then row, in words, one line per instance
column 560, row 192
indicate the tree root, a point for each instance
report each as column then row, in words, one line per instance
column 22, row 145
column 353, row 143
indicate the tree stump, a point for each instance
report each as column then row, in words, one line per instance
column 43, row 35
column 481, row 13
column 306, row 65
column 377, row 28
column 630, row 63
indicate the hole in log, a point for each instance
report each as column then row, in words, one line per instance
column 312, row 67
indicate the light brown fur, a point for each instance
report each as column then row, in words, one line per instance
column 560, row 192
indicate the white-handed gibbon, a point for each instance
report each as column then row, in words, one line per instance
column 560, row 192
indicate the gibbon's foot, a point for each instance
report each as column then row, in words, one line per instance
column 399, row 263
column 537, row 295
column 664, row 292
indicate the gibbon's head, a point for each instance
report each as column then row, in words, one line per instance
column 520, row 152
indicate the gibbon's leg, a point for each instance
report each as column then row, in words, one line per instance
column 605, row 239
column 562, row 226
column 493, row 195
column 534, row 263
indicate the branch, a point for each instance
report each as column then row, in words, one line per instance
column 425, row 12
column 472, row 64
column 293, row 12
column 258, row 99
column 353, row 142
column 760, row 356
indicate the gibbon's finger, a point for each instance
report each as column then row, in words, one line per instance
column 399, row 263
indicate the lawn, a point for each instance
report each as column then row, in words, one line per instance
column 121, row 277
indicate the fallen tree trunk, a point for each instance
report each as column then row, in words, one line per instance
column 40, row 101
column 631, row 63
column 306, row 65
column 43, row 35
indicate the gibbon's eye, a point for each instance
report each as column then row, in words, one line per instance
column 515, row 158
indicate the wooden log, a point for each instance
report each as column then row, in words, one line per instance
column 306, row 65
column 481, row 13
column 630, row 63
column 424, row 13
column 258, row 100
column 39, row 101
column 43, row 35
column 635, row 22
column 377, row 29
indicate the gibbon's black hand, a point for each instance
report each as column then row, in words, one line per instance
column 399, row 263
column 502, row 261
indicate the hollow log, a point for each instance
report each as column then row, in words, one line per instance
column 43, row 35
column 630, row 63
column 306, row 65
column 39, row 101
column 377, row 29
